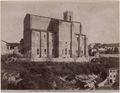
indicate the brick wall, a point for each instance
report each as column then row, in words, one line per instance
column 48, row 37
column 64, row 39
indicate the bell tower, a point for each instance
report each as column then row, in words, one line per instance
column 68, row 16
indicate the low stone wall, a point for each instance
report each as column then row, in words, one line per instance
column 81, row 59
column 110, row 55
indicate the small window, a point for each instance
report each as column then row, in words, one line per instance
column 11, row 47
column 110, row 80
column 110, row 71
column 66, row 42
column 45, row 51
column 37, row 51
column 7, row 47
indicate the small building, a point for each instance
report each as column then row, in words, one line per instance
column 112, row 48
column 56, row 38
column 7, row 48
column 113, row 75
column 4, row 47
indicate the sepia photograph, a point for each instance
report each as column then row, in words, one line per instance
column 60, row 45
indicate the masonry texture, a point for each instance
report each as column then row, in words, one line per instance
column 55, row 38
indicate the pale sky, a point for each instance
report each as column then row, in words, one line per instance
column 99, row 19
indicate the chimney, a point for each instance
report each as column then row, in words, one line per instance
column 68, row 15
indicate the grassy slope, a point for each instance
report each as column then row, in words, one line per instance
column 31, row 70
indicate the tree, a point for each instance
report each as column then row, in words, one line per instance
column 116, row 50
column 21, row 46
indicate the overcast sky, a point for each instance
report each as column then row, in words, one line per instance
column 99, row 19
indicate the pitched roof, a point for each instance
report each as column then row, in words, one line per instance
column 53, row 18
column 14, row 44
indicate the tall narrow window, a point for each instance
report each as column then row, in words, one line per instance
column 69, row 18
column 37, row 51
column 66, row 51
column 82, row 53
column 69, row 51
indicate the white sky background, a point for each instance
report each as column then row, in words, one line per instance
column 99, row 19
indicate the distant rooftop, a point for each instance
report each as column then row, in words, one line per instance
column 14, row 43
